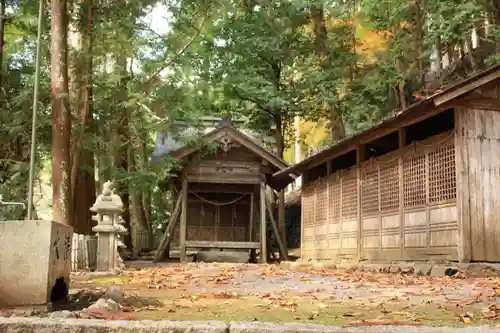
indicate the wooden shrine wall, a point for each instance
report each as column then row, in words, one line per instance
column 478, row 163
column 400, row 206
column 208, row 222
column 236, row 166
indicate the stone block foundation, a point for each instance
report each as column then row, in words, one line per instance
column 35, row 262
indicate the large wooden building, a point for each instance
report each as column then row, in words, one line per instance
column 424, row 184
column 221, row 194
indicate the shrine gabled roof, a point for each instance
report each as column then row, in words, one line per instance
column 226, row 129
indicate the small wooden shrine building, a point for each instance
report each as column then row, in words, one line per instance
column 424, row 184
column 221, row 194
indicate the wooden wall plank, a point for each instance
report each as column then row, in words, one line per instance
column 462, row 175
column 481, row 169
column 474, row 128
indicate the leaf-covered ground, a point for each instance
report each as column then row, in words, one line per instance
column 243, row 292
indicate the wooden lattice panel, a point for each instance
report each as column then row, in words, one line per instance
column 226, row 213
column 442, row 180
column 349, row 185
column 308, row 205
column 334, row 198
column 414, row 180
column 369, row 190
column 389, row 186
column 321, row 202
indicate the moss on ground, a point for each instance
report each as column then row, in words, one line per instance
column 313, row 311
column 110, row 280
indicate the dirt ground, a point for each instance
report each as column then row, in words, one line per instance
column 246, row 292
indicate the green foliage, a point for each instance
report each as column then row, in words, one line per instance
column 254, row 60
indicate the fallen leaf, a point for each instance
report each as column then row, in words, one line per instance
column 313, row 315
column 466, row 318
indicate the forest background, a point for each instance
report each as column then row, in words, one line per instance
column 116, row 72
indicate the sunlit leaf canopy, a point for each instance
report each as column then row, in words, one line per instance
column 158, row 61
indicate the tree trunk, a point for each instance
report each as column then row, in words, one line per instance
column 122, row 152
column 320, row 37
column 419, row 40
column 280, row 149
column 401, row 87
column 137, row 212
column 83, row 187
column 2, row 39
column 61, row 115
column 298, row 148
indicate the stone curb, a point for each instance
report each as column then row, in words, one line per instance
column 414, row 268
column 43, row 325
column 258, row 327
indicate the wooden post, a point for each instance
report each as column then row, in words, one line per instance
column 165, row 242
column 263, row 231
column 283, row 250
column 401, row 144
column 183, row 226
column 360, row 156
column 328, row 168
column 250, row 222
column 463, row 195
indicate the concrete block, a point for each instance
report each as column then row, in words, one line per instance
column 35, row 262
column 223, row 256
column 37, row 325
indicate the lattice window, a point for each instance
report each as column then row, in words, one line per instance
column 369, row 187
column 414, row 180
column 334, row 198
column 442, row 180
column 308, row 205
column 389, row 186
column 349, row 195
column 321, row 201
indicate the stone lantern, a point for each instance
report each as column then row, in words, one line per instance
column 108, row 207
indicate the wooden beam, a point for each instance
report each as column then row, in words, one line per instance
column 167, row 236
column 462, row 146
column 183, row 225
column 221, row 188
column 283, row 251
column 454, row 93
column 222, row 245
column 263, row 231
column 328, row 167
column 250, row 222
column 228, row 179
column 412, row 116
column 475, row 100
column 360, row 156
column 401, row 145
column 401, row 137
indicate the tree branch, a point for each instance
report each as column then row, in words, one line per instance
column 259, row 104
column 169, row 62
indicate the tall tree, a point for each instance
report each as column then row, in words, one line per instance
column 61, row 114
column 83, row 189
